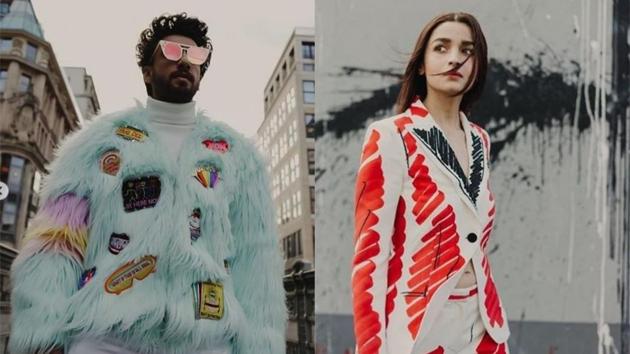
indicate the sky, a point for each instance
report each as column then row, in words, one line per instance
column 248, row 39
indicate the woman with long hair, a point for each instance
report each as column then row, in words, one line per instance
column 421, row 279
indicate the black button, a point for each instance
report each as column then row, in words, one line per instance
column 471, row 237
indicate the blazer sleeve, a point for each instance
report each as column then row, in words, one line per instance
column 47, row 269
column 377, row 192
column 257, row 267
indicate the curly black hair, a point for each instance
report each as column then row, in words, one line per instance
column 167, row 25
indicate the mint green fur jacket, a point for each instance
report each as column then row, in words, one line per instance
column 120, row 241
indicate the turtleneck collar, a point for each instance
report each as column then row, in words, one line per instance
column 171, row 113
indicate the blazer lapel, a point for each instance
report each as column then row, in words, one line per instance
column 476, row 159
column 426, row 130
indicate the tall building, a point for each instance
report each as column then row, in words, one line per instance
column 286, row 136
column 37, row 110
column 84, row 91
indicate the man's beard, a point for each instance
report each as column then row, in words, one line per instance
column 164, row 90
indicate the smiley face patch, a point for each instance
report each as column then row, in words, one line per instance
column 117, row 242
column 208, row 300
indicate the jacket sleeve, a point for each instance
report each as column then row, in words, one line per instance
column 257, row 267
column 377, row 192
column 47, row 269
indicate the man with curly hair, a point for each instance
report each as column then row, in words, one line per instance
column 156, row 232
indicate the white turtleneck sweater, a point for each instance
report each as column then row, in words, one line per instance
column 172, row 122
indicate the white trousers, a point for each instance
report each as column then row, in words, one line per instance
column 105, row 346
column 459, row 329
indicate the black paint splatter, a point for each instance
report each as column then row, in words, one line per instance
column 534, row 96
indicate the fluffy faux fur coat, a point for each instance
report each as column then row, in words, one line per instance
column 125, row 236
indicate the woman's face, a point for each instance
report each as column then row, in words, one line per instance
column 449, row 46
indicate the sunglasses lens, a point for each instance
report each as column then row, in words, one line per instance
column 171, row 51
column 197, row 55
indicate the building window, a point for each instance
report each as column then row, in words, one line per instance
column 312, row 195
column 292, row 245
column 282, row 112
column 308, row 89
column 274, row 125
column 309, row 124
column 283, row 145
column 308, row 50
column 299, row 203
column 37, row 182
column 3, row 80
column 295, row 167
column 292, row 134
column 292, row 93
column 5, row 45
column 5, row 8
column 274, row 155
column 31, row 52
column 275, row 186
column 291, row 57
column 284, row 179
column 286, row 210
column 308, row 67
column 25, row 83
column 311, row 161
column 11, row 171
column 279, row 214
column 296, row 204
column 289, row 99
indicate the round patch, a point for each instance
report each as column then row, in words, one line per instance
column 110, row 162
column 117, row 242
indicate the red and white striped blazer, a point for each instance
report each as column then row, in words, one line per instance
column 418, row 221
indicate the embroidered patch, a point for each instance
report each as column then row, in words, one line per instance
column 140, row 193
column 110, row 162
column 208, row 298
column 131, row 133
column 194, row 222
column 216, row 145
column 208, row 176
column 86, row 277
column 117, row 242
column 122, row 278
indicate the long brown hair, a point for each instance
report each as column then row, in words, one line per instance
column 413, row 84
